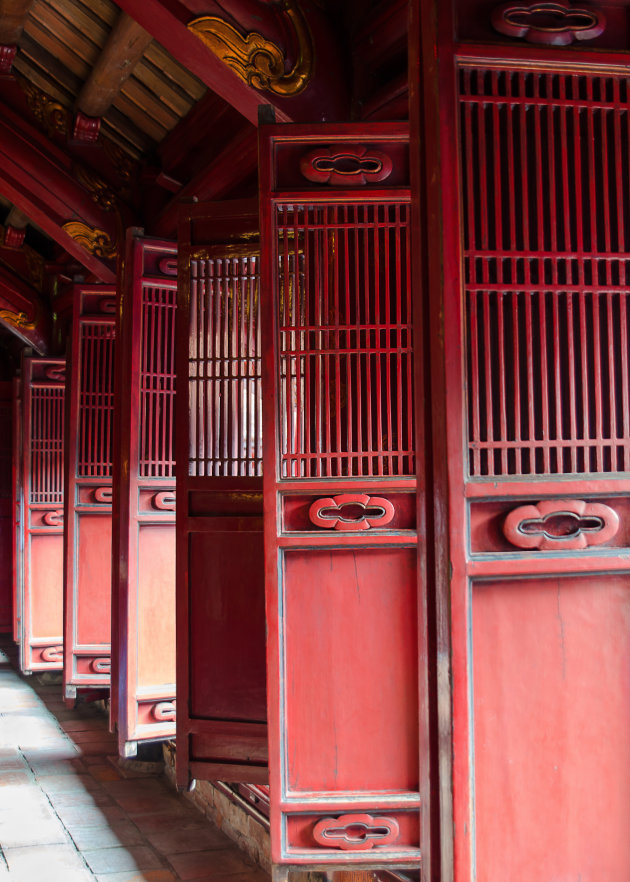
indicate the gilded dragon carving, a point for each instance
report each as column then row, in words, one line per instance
column 17, row 319
column 258, row 61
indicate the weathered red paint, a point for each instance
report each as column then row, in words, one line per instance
column 343, row 607
column 88, row 490
column 6, row 508
column 143, row 581
column 40, row 498
column 221, row 713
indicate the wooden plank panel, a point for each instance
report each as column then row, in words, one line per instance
column 551, row 681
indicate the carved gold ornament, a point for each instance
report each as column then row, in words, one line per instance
column 52, row 116
column 17, row 319
column 101, row 193
column 257, row 60
column 93, row 240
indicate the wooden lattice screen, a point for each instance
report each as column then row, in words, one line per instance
column 545, row 159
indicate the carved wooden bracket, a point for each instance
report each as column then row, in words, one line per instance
column 552, row 23
column 92, row 239
column 355, row 832
column 52, row 654
column 54, row 518
column 560, row 525
column 103, row 495
column 14, row 237
column 164, row 500
column 256, row 60
column 348, row 166
column 101, row 665
column 164, row 711
column 7, row 57
column 351, row 512
column 86, row 128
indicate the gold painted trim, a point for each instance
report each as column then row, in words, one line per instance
column 92, row 239
column 17, row 319
column 258, row 61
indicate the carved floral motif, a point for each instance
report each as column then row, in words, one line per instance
column 351, row 512
column 346, row 166
column 51, row 115
column 560, row 525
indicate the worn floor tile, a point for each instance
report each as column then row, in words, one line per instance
column 200, row 837
column 140, row 876
column 54, row 863
column 195, row 865
column 116, row 860
column 115, row 834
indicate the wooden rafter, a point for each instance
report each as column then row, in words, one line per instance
column 12, row 17
column 323, row 98
column 40, row 181
column 123, row 50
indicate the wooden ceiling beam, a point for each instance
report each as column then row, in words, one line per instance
column 40, row 181
column 235, row 163
column 13, row 14
column 23, row 312
column 123, row 50
column 315, row 88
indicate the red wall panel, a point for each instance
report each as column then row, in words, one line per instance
column 6, row 509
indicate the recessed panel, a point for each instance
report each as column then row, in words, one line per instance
column 94, row 575
column 551, row 685
column 156, row 604
column 351, row 655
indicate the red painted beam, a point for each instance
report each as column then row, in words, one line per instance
column 23, row 313
column 238, row 161
column 326, row 96
column 38, row 178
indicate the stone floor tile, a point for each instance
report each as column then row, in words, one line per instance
column 199, row 837
column 138, row 787
column 63, row 783
column 18, row 832
column 163, row 821
column 15, row 777
column 117, row 860
column 88, row 816
column 95, row 734
column 196, row 864
column 139, row 876
column 105, row 772
column 151, row 805
column 115, row 834
column 72, row 724
column 97, row 748
column 54, row 863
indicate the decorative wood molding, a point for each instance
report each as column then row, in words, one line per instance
column 100, row 191
column 552, row 23
column 54, row 518
column 560, row 525
column 258, row 61
column 358, row 832
column 7, row 57
column 348, row 166
column 18, row 320
column 164, row 711
column 94, row 240
column 54, row 118
column 14, row 237
column 332, row 512
column 86, row 128
column 52, row 654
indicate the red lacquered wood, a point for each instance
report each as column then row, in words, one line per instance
column 17, row 513
column 342, row 606
column 6, row 508
column 88, row 490
column 143, row 583
column 40, row 500
column 539, row 350
column 221, row 713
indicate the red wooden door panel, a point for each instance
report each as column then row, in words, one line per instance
column 221, row 714
column 40, row 534
column 17, row 499
column 343, row 603
column 537, row 382
column 6, row 509
column 88, row 489
column 143, row 595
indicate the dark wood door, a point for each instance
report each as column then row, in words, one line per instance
column 40, row 532
column 221, row 711
column 143, row 584
column 344, row 597
column 88, row 490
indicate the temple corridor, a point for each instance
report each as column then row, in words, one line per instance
column 70, row 813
